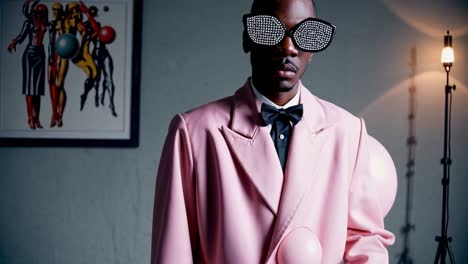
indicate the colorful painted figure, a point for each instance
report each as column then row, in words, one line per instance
column 57, row 93
column 33, row 60
column 104, row 62
column 64, row 26
column 83, row 59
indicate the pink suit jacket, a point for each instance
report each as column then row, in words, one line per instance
column 221, row 196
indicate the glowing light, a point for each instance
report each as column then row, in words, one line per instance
column 447, row 55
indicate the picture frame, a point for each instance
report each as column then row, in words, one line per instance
column 73, row 79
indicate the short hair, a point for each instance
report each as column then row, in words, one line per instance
column 313, row 5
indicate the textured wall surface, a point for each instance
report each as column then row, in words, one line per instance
column 80, row 205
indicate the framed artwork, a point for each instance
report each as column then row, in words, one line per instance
column 69, row 72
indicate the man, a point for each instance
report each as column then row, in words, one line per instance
column 242, row 182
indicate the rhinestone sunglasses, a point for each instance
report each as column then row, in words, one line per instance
column 311, row 34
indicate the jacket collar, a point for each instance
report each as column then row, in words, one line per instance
column 251, row 144
column 246, row 119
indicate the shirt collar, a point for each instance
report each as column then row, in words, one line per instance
column 263, row 99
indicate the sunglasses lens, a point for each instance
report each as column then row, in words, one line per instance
column 312, row 35
column 264, row 30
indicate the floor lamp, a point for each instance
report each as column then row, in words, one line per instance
column 444, row 247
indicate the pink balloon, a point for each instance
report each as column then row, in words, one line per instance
column 383, row 174
column 300, row 246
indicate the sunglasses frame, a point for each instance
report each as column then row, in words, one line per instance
column 290, row 32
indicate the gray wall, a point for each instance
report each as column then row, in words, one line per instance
column 77, row 205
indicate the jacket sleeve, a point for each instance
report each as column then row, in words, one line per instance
column 371, row 195
column 174, row 217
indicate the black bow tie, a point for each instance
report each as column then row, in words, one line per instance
column 281, row 128
column 270, row 114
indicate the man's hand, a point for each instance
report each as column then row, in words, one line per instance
column 12, row 46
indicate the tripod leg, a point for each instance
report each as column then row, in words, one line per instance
column 439, row 250
column 450, row 253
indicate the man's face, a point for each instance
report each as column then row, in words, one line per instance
column 279, row 68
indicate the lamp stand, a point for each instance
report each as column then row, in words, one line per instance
column 411, row 142
column 443, row 240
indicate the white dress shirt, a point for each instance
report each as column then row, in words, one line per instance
column 262, row 99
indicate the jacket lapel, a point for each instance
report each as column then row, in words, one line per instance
column 252, row 146
column 306, row 144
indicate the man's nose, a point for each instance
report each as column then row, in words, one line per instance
column 287, row 48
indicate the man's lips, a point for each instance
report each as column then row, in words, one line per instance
column 284, row 70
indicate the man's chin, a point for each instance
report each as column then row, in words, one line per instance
column 284, row 89
column 285, row 86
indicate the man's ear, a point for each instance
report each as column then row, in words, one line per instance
column 245, row 42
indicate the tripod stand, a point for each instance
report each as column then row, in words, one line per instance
column 443, row 240
column 405, row 256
